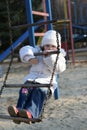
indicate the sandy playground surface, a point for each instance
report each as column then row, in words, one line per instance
column 67, row 113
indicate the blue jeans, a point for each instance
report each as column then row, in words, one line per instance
column 32, row 99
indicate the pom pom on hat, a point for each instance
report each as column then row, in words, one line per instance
column 51, row 38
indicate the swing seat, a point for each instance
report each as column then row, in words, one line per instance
column 56, row 91
column 21, row 119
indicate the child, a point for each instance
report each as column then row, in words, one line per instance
column 31, row 100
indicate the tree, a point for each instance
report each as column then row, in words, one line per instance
column 13, row 13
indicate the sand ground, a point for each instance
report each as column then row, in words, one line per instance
column 67, row 113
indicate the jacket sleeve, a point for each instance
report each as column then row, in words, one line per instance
column 26, row 53
column 61, row 63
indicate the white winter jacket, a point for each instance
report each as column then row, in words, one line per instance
column 42, row 71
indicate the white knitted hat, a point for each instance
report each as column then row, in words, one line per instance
column 51, row 38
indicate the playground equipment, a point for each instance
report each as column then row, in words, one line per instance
column 44, row 85
column 30, row 32
column 30, row 19
column 31, row 29
column 47, row 14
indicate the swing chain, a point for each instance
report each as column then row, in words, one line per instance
column 6, row 76
column 10, row 33
column 54, row 68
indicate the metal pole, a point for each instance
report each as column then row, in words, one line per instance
column 71, row 32
column 30, row 21
column 48, row 10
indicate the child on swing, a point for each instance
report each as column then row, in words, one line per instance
column 31, row 100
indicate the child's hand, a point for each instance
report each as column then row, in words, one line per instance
column 27, row 55
column 33, row 61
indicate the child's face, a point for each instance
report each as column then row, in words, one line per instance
column 50, row 47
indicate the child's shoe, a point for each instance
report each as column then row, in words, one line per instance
column 25, row 114
column 13, row 111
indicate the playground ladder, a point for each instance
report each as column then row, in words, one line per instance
column 30, row 19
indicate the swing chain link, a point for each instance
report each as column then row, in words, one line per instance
column 55, row 63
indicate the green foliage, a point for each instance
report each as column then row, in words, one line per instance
column 17, row 16
column 12, row 14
